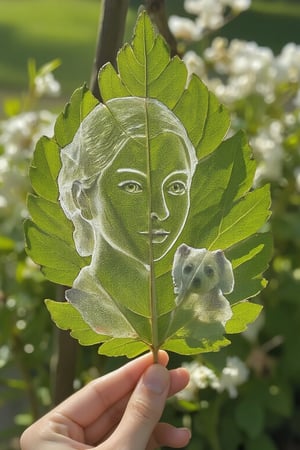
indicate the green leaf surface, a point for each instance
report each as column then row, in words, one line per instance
column 112, row 85
column 244, row 313
column 44, row 169
column 146, row 70
column 250, row 417
column 123, row 186
column 46, row 250
column 250, row 260
column 261, row 442
column 223, row 202
column 126, row 347
column 81, row 104
column 67, row 317
column 49, row 217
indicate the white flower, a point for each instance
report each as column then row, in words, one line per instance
column 211, row 16
column 218, row 54
column 19, row 134
column 234, row 374
column 209, row 13
column 46, row 84
column 194, row 64
column 288, row 64
column 184, row 28
column 237, row 5
column 194, row 6
column 268, row 150
column 246, row 56
column 248, row 68
column 201, row 377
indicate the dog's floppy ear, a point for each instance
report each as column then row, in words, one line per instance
column 180, row 256
column 226, row 274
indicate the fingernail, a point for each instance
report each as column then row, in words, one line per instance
column 187, row 432
column 156, row 379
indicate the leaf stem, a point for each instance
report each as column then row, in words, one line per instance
column 152, row 289
column 155, row 354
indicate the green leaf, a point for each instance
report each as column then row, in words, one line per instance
column 261, row 442
column 244, row 313
column 250, row 417
column 81, row 104
column 44, row 169
column 126, row 347
column 6, row 244
column 222, row 199
column 196, row 94
column 139, row 188
column 216, row 126
column 250, row 260
column 111, row 84
column 49, row 217
column 47, row 250
column 146, row 70
column 67, row 317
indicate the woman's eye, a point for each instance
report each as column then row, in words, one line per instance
column 177, row 188
column 132, row 187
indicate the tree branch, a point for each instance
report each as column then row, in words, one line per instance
column 110, row 37
column 157, row 12
column 65, row 362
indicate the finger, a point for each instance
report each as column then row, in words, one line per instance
column 86, row 405
column 166, row 435
column 106, row 424
column 143, row 411
column 180, row 378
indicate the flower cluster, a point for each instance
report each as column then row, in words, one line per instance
column 243, row 68
column 243, row 71
column 232, row 375
column 46, row 84
column 261, row 89
column 18, row 137
column 209, row 16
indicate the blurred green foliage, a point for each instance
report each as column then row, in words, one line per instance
column 266, row 413
column 48, row 29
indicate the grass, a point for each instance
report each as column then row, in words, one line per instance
column 49, row 29
column 45, row 30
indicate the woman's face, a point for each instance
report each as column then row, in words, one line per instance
column 133, row 210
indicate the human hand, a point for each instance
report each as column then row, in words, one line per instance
column 120, row 410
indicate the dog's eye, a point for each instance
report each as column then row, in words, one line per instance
column 188, row 268
column 209, row 271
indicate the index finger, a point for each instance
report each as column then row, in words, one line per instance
column 86, row 405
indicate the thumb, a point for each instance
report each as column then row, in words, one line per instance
column 144, row 408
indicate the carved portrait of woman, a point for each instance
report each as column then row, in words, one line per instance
column 125, row 184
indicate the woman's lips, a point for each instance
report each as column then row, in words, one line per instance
column 158, row 236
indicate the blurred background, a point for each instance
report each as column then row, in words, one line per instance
column 248, row 53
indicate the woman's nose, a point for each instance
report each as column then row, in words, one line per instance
column 159, row 208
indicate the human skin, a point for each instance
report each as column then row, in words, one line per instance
column 120, row 410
